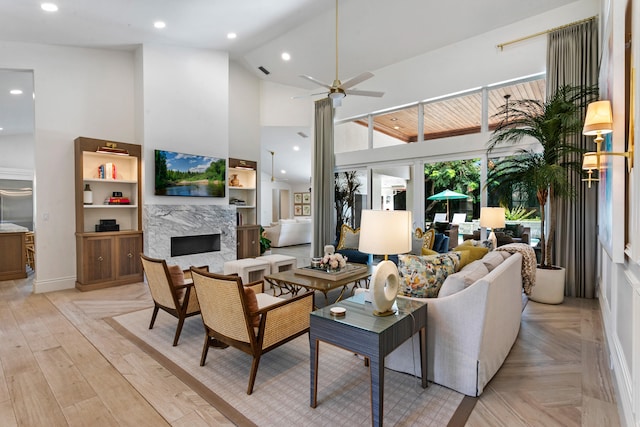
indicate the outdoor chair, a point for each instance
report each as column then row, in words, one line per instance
column 440, row 217
column 459, row 218
column 246, row 318
column 170, row 292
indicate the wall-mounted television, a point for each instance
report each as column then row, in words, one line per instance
column 180, row 174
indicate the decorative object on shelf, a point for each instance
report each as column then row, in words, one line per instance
column 316, row 262
column 492, row 218
column 234, row 181
column 598, row 122
column 87, row 195
column 385, row 233
column 333, row 262
column 329, row 249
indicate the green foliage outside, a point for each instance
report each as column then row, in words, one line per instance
column 461, row 176
column 519, row 213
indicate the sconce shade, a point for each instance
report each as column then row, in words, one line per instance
column 385, row 232
column 599, row 118
column 590, row 161
column 492, row 217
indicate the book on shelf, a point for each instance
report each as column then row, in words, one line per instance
column 107, row 171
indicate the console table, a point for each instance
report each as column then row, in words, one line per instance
column 373, row 337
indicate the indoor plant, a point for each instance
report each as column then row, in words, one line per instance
column 543, row 169
column 265, row 243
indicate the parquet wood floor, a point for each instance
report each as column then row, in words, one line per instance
column 62, row 364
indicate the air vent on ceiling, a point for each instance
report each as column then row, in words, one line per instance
column 264, row 70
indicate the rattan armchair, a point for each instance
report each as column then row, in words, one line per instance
column 228, row 320
column 168, row 297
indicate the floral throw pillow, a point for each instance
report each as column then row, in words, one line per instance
column 423, row 276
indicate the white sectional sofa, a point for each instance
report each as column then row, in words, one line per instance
column 289, row 232
column 469, row 332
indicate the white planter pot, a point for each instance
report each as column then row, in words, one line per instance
column 549, row 288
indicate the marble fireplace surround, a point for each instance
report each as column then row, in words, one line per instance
column 162, row 222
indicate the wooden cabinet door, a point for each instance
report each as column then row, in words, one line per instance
column 97, row 259
column 248, row 241
column 128, row 256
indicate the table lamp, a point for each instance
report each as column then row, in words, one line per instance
column 385, row 233
column 492, row 218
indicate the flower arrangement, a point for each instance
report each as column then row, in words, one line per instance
column 333, row 261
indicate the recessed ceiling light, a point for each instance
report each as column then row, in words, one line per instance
column 393, row 119
column 282, row 171
column 0, row 128
column 396, row 127
column 296, row 148
column 285, row 56
column 231, row 36
column 159, row 24
column 49, row 7
column 15, row 92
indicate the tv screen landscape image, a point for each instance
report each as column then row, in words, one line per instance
column 179, row 174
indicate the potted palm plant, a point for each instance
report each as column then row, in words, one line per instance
column 543, row 169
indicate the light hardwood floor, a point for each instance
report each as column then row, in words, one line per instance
column 62, row 364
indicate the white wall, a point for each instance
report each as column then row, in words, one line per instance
column 79, row 92
column 244, row 114
column 185, row 107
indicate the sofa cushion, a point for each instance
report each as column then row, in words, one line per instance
column 492, row 260
column 514, row 230
column 451, row 285
column 349, row 238
column 473, row 272
column 425, row 251
column 422, row 276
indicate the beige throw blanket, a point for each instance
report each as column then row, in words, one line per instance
column 529, row 263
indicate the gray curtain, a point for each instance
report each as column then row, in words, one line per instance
column 322, row 190
column 572, row 59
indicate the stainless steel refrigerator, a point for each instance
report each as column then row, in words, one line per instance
column 16, row 202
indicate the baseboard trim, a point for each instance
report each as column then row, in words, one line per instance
column 621, row 378
column 52, row 285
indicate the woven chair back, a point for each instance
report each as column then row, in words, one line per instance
column 158, row 280
column 222, row 304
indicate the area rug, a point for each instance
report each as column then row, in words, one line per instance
column 281, row 391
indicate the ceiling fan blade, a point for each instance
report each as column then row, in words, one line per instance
column 357, row 79
column 318, row 82
column 309, row 95
column 364, row 93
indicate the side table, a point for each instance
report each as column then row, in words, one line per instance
column 373, row 337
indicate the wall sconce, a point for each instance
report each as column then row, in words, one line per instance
column 598, row 122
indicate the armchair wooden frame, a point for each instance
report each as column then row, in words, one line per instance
column 166, row 296
column 227, row 319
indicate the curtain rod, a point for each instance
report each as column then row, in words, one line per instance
column 541, row 33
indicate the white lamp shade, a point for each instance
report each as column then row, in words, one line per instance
column 492, row 217
column 385, row 232
column 590, row 161
column 598, row 119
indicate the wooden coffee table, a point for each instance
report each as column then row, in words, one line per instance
column 291, row 282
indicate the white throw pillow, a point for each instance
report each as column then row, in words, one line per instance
column 492, row 260
column 452, row 284
column 473, row 272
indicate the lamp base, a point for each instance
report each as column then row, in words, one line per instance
column 384, row 313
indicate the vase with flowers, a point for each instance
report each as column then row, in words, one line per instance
column 333, row 262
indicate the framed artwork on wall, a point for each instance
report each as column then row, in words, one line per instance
column 297, row 198
column 306, row 198
column 297, row 210
column 306, row 210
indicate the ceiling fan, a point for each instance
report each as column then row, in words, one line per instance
column 338, row 90
column 273, row 177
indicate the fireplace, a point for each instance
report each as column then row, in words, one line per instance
column 189, row 245
column 163, row 223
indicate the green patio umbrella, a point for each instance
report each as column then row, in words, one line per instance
column 447, row 195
